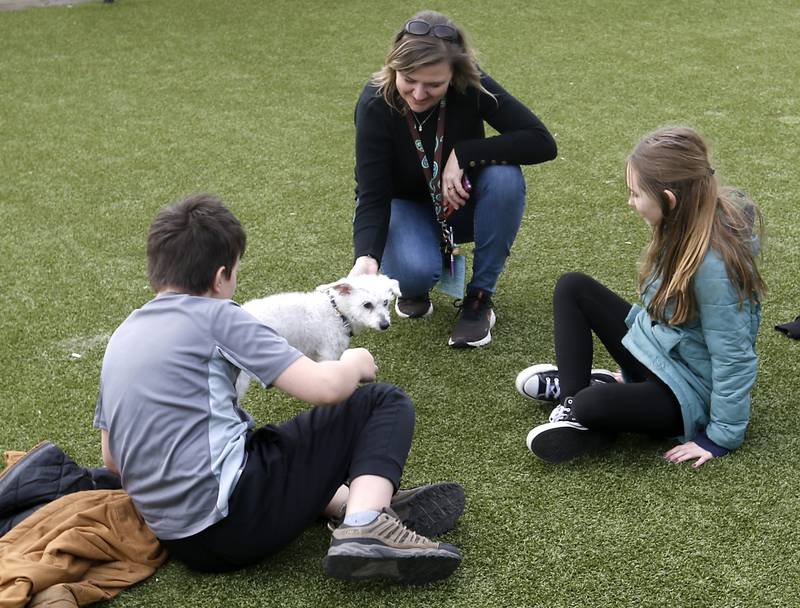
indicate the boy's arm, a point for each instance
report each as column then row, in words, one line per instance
column 107, row 460
column 327, row 382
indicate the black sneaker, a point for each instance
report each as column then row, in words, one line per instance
column 541, row 381
column 564, row 438
column 386, row 548
column 429, row 510
column 475, row 320
column 414, row 308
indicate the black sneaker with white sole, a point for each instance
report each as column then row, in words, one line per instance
column 541, row 382
column 413, row 308
column 476, row 318
column 563, row 438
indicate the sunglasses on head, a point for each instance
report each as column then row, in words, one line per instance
column 418, row 27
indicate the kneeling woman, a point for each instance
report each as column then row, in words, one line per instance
column 424, row 110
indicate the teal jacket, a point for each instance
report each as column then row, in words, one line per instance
column 709, row 362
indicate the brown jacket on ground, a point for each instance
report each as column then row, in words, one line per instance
column 81, row 548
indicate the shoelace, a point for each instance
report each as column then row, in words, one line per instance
column 559, row 413
column 472, row 307
column 552, row 390
column 394, row 530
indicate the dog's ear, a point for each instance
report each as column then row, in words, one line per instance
column 391, row 284
column 343, row 287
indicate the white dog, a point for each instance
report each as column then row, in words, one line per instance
column 320, row 323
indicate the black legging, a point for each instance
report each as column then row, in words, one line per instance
column 646, row 405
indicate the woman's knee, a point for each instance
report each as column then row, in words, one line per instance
column 412, row 254
column 416, row 276
column 504, row 184
column 502, row 177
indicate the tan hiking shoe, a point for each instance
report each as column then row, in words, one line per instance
column 387, row 549
column 429, row 510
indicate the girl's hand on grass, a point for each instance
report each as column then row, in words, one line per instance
column 689, row 451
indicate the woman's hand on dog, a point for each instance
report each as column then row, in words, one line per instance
column 364, row 265
column 363, row 361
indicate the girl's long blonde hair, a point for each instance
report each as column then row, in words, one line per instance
column 409, row 53
column 705, row 215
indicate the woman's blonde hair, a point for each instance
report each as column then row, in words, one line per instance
column 410, row 52
column 705, row 215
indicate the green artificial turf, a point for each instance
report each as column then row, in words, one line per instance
column 109, row 112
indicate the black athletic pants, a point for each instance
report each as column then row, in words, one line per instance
column 293, row 471
column 646, row 405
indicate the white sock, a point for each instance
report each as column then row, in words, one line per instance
column 362, row 518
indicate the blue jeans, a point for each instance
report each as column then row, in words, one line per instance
column 491, row 219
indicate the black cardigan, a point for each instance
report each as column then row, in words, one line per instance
column 387, row 165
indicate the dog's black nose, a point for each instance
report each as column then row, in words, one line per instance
column 385, row 325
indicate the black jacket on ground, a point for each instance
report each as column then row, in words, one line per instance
column 42, row 475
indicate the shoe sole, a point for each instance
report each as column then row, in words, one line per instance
column 558, row 442
column 482, row 342
column 356, row 562
column 432, row 510
column 603, row 376
column 597, row 374
column 403, row 315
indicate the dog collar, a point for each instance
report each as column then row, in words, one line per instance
column 344, row 319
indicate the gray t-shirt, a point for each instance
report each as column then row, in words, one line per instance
column 168, row 402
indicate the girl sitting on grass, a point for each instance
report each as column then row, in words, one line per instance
column 687, row 352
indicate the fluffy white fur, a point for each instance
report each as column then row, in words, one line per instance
column 310, row 323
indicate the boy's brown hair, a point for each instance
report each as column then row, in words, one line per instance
column 189, row 241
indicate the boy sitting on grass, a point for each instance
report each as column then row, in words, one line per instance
column 221, row 494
